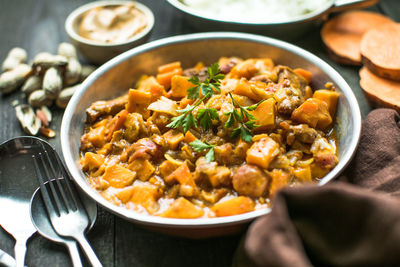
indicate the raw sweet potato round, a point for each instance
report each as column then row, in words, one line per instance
column 342, row 35
column 380, row 50
column 380, row 91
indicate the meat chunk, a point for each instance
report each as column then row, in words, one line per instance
column 313, row 112
column 304, row 133
column 295, row 80
column 101, row 108
column 250, row 181
column 144, row 148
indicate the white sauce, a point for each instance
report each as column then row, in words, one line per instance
column 256, row 10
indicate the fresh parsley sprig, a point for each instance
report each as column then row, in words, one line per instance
column 209, row 85
column 204, row 116
column 238, row 117
column 199, row 146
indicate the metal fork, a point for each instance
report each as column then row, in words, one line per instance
column 67, row 215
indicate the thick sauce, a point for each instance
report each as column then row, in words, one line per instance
column 112, row 24
column 137, row 155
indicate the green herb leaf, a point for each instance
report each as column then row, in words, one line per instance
column 245, row 134
column 188, row 122
column 253, row 107
column 199, row 146
column 206, row 116
column 210, row 155
column 176, row 122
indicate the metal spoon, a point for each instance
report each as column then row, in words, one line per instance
column 17, row 186
column 42, row 223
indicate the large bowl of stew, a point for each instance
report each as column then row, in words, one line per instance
column 209, row 178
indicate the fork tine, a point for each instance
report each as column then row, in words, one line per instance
column 43, row 189
column 70, row 186
column 60, row 187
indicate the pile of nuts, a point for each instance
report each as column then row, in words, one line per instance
column 47, row 80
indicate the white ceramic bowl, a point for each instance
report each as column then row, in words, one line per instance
column 116, row 76
column 96, row 52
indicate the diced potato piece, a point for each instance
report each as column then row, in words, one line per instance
column 96, row 136
column 329, row 97
column 91, row 161
column 152, row 86
column 279, row 179
column 303, row 73
column 165, row 78
column 189, row 137
column 313, row 112
column 138, row 97
column 147, row 196
column 167, row 167
column 220, row 175
column 183, row 209
column 179, row 86
column 164, row 105
column 265, row 114
column 303, row 173
column 244, row 87
column 143, row 168
column 262, row 152
column 117, row 196
column 185, row 178
column 317, row 171
column 173, row 138
column 169, row 67
column 233, row 206
column 118, row 176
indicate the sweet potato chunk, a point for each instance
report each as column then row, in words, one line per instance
column 313, row 112
column 329, row 97
column 233, row 206
column 182, row 208
column 143, row 168
column 184, row 177
column 138, row 97
column 169, row 67
column 303, row 173
column 118, row 176
column 91, row 161
column 279, row 179
column 250, row 89
column 189, row 137
column 152, row 86
column 179, row 86
column 146, row 195
column 118, row 196
column 265, row 114
column 262, row 152
column 173, row 138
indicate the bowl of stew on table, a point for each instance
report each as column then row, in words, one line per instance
column 193, row 135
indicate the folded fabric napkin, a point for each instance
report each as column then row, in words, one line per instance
column 352, row 222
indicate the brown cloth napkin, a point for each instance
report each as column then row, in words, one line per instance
column 339, row 224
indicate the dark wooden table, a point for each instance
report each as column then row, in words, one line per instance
column 39, row 26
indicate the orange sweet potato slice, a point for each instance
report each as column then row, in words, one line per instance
column 342, row 35
column 380, row 50
column 381, row 92
column 118, row 176
column 233, row 206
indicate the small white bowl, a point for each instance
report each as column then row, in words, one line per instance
column 97, row 52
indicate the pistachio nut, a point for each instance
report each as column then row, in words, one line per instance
column 46, row 60
column 67, row 50
column 65, row 95
column 72, row 72
column 86, row 71
column 12, row 79
column 52, row 83
column 29, row 122
column 15, row 57
column 39, row 98
column 33, row 83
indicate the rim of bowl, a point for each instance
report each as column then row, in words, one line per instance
column 193, row 12
column 201, row 222
column 78, row 12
